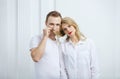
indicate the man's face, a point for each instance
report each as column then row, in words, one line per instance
column 54, row 23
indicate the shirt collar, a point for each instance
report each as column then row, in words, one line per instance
column 79, row 42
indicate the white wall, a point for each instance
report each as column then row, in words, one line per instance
column 7, row 39
column 117, row 40
column 21, row 19
column 3, row 39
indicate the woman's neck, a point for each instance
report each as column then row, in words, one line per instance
column 74, row 39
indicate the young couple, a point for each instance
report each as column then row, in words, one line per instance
column 75, row 58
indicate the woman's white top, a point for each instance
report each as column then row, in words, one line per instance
column 80, row 60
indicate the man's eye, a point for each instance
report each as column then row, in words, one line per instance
column 57, row 24
column 51, row 24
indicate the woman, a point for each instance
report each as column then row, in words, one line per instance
column 78, row 52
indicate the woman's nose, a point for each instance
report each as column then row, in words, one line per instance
column 68, row 30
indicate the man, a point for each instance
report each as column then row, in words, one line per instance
column 45, row 52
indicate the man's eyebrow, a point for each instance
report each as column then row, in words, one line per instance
column 51, row 23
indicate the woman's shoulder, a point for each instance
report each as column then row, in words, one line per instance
column 90, row 42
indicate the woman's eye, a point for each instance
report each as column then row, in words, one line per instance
column 64, row 29
column 69, row 26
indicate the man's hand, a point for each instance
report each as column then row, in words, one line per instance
column 46, row 31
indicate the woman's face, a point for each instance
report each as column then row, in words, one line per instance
column 69, row 30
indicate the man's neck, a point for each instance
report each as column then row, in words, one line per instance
column 52, row 37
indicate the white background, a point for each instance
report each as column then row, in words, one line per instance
column 22, row 19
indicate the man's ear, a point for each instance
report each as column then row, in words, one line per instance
column 45, row 23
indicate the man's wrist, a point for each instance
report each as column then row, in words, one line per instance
column 45, row 37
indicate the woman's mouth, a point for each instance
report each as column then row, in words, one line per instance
column 69, row 33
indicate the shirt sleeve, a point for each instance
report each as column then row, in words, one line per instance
column 94, row 61
column 63, row 73
column 34, row 42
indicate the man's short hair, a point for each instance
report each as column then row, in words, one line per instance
column 53, row 14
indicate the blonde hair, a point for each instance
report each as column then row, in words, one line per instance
column 71, row 22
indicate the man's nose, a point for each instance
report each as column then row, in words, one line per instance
column 55, row 27
column 52, row 26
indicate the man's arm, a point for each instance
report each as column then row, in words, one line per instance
column 37, row 53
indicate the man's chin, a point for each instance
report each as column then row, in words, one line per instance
column 52, row 33
column 57, row 33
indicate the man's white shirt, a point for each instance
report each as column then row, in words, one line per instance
column 49, row 65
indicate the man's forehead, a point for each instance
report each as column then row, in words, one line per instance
column 54, row 19
column 51, row 17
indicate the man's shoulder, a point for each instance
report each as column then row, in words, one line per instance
column 37, row 36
